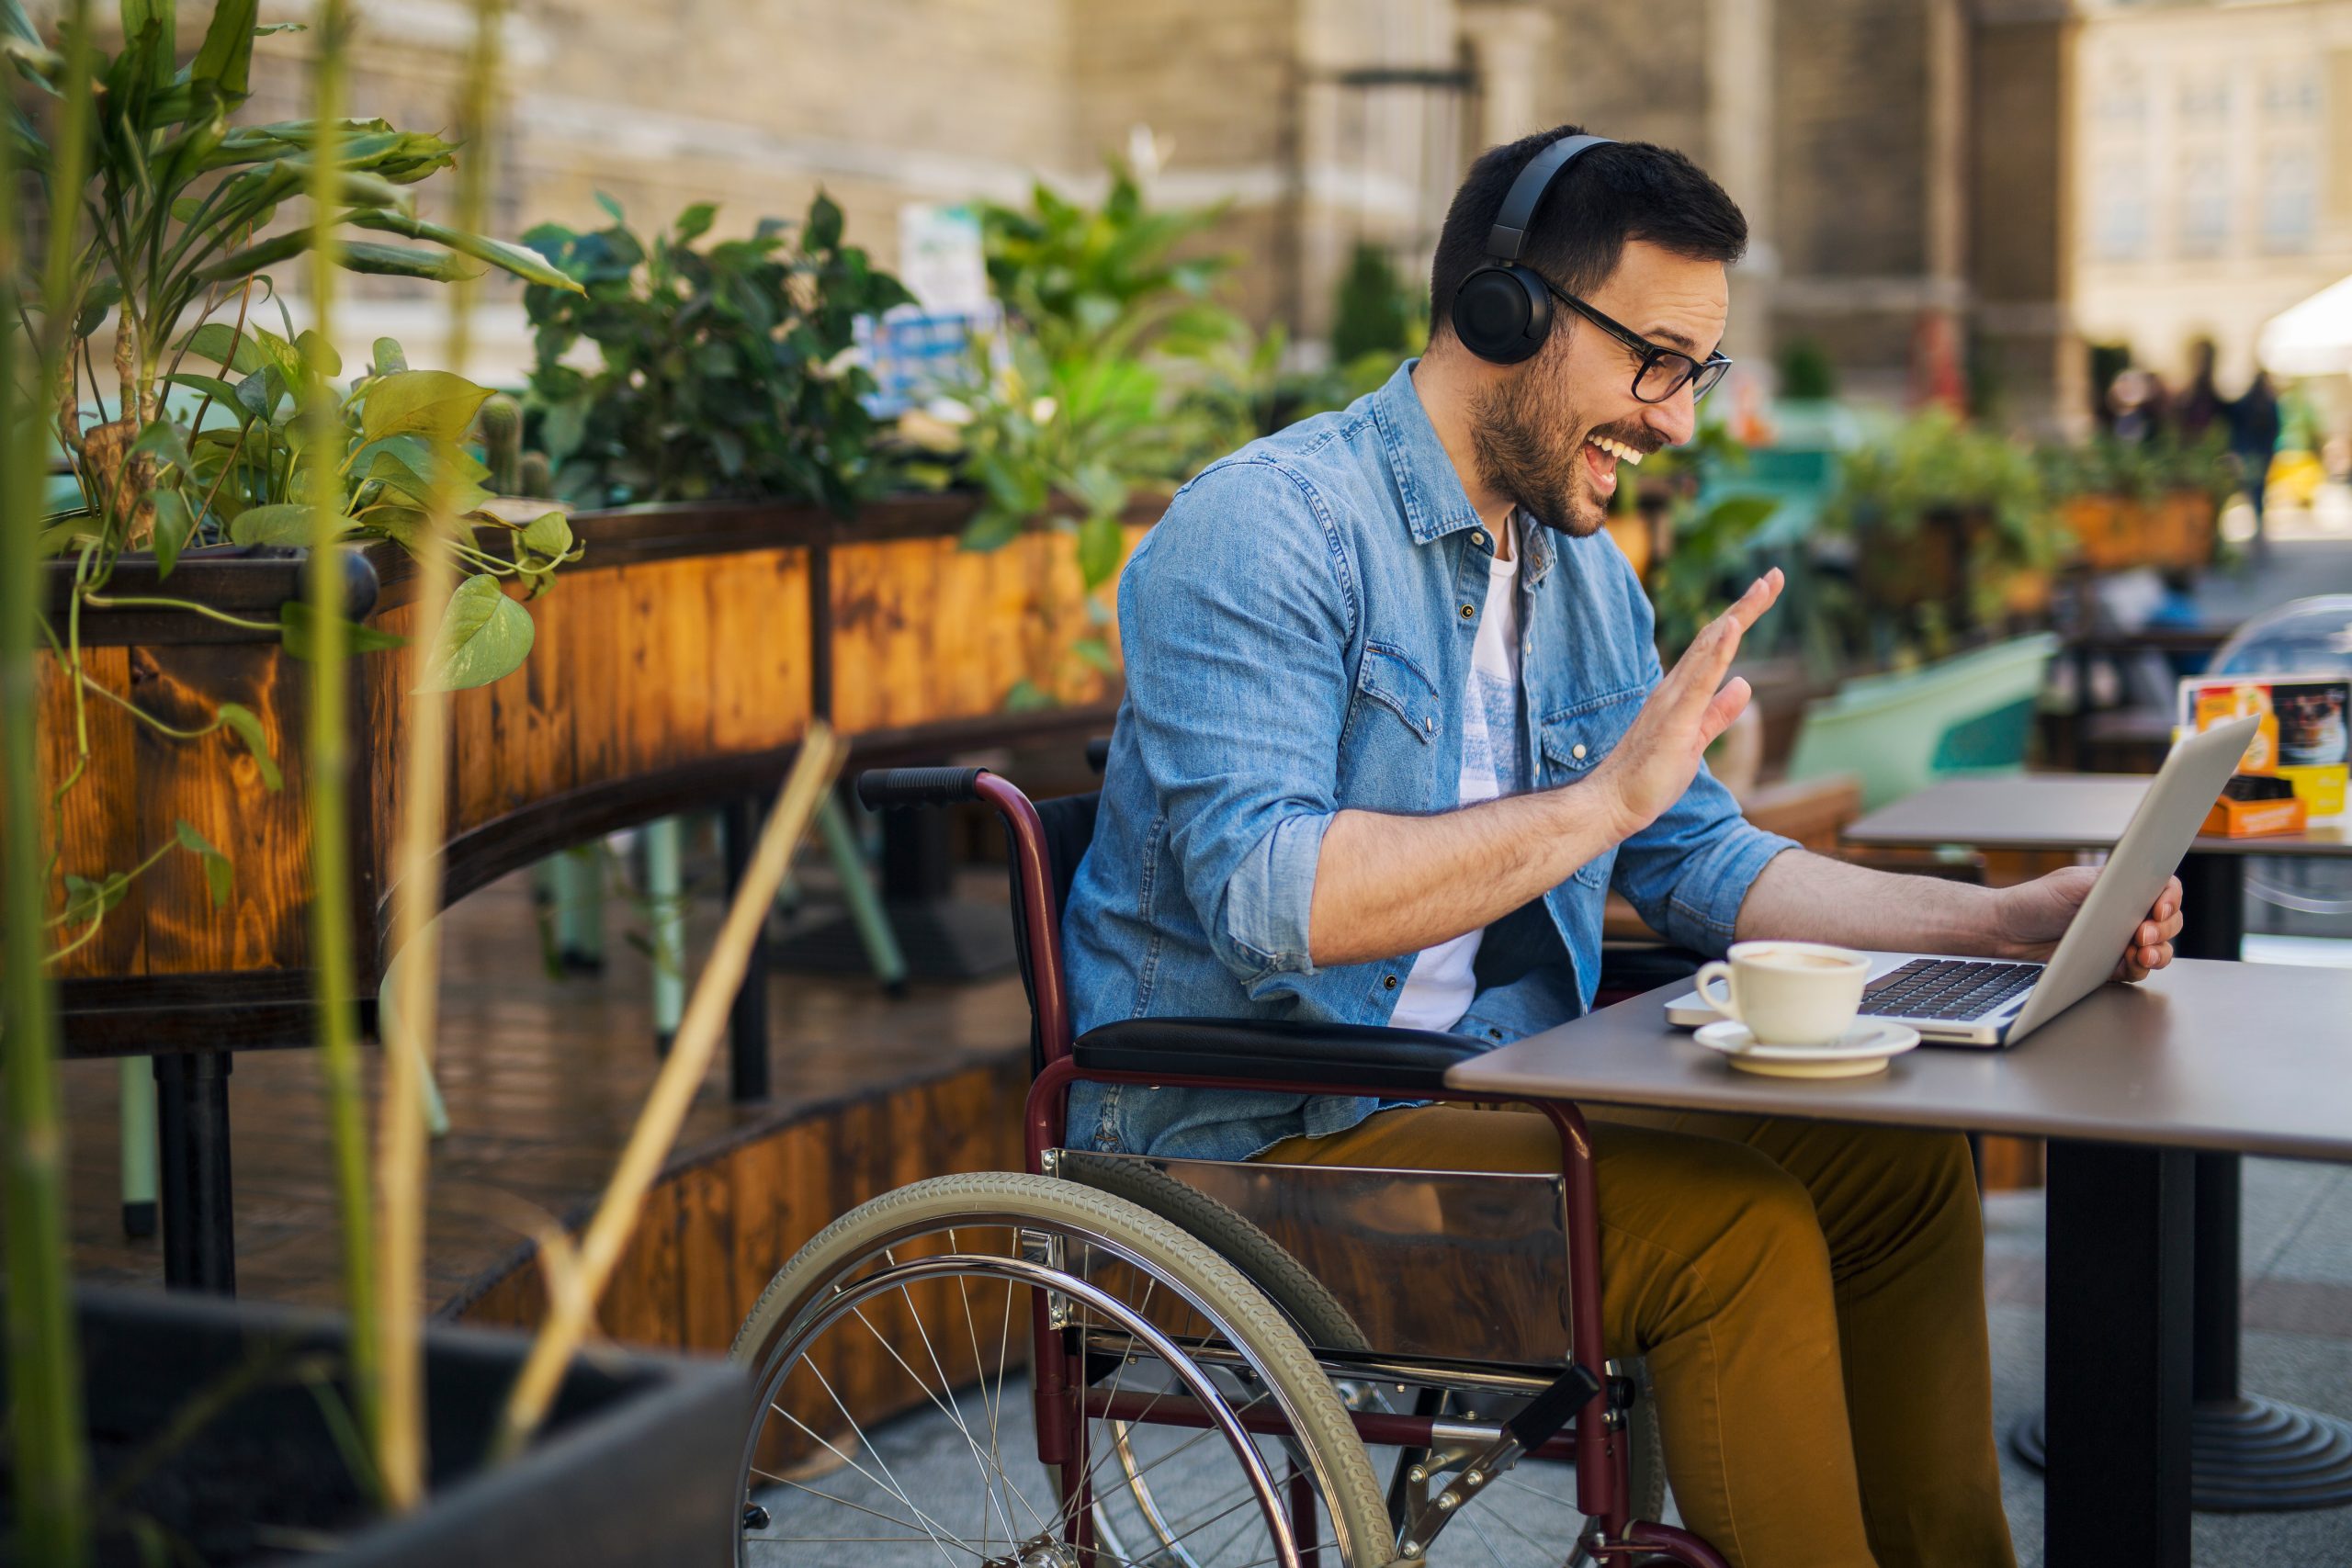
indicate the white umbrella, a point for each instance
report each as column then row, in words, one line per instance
column 2313, row 338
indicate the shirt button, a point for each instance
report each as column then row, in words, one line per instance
column 1479, row 540
column 1577, row 752
column 1430, row 725
column 1388, row 982
column 1469, row 612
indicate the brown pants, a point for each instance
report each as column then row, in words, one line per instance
column 1811, row 1300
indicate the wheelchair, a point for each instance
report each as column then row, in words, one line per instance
column 1109, row 1359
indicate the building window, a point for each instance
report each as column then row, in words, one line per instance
column 2290, row 95
column 2123, row 100
column 2290, row 200
column 2205, row 101
column 2204, row 204
column 2120, row 210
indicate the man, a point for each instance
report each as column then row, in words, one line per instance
column 1394, row 726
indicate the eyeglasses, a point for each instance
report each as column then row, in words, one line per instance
column 1663, row 371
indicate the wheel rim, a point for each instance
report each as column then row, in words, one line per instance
column 1014, row 1514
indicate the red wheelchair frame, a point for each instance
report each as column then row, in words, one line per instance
column 1585, row 1428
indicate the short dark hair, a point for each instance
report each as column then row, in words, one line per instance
column 1626, row 190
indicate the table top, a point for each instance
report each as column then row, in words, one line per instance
column 2255, row 1058
column 2050, row 811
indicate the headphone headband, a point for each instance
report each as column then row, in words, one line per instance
column 1527, row 193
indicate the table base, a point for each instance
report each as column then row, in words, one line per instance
column 2249, row 1455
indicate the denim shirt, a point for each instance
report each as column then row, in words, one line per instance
column 1298, row 632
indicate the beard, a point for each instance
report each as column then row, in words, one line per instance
column 1528, row 440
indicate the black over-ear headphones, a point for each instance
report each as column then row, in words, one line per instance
column 1503, row 311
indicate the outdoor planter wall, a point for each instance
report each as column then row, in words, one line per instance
column 637, row 1463
column 2114, row 532
column 675, row 667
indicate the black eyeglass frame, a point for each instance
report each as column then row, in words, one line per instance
column 1652, row 353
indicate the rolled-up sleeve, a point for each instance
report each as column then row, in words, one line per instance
column 1235, row 622
column 1687, row 873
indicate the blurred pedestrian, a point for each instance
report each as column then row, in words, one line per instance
column 2254, row 438
column 2200, row 405
column 2140, row 405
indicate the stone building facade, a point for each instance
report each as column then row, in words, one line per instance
column 1916, row 172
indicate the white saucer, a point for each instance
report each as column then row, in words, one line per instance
column 1865, row 1048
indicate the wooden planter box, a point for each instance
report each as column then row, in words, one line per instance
column 677, row 666
column 2115, row 532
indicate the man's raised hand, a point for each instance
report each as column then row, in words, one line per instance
column 1658, row 757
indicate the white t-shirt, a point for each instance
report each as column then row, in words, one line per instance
column 1495, row 762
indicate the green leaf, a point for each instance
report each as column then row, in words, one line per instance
column 1094, row 651
column 318, row 354
column 241, row 718
column 824, row 229
column 527, row 264
column 220, row 391
column 219, row 875
column 401, row 261
column 298, row 624
column 1027, row 696
column 549, row 535
column 1102, row 543
column 164, row 439
column 429, row 402
column 695, row 222
column 291, row 524
column 612, row 209
column 992, row 530
column 173, row 526
column 224, row 344
column 390, row 357
column 485, row 636
column 227, row 56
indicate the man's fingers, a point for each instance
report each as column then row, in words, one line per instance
column 1760, row 597
column 1699, row 673
column 1724, row 707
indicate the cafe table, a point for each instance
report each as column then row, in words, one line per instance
column 2129, row 1085
column 2252, row 1454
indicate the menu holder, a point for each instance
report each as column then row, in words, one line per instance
column 2302, row 741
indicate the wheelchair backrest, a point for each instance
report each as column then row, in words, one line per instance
column 1068, row 825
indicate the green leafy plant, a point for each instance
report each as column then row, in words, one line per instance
column 171, row 219
column 1943, row 515
column 721, row 369
column 2142, row 470
column 1108, row 278
column 1378, row 316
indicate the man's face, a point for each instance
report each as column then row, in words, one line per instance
column 1542, row 431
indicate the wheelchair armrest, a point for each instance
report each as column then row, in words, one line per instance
column 1364, row 1057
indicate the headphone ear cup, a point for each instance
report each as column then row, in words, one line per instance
column 1502, row 313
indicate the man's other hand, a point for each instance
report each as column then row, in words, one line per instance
column 2034, row 915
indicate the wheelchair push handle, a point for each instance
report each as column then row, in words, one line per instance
column 881, row 788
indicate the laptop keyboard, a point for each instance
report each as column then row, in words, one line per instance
column 1954, row 988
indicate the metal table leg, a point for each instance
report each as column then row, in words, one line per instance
column 2115, row 1383
column 192, row 1122
column 748, row 1025
column 2249, row 1454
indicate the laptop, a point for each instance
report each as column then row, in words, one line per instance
column 1989, row 1003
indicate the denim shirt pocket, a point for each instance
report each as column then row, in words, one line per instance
column 1389, row 678
column 1574, row 740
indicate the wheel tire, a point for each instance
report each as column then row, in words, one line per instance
column 1350, row 1494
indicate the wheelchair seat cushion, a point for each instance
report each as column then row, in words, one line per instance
column 1340, row 1058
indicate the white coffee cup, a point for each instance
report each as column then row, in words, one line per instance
column 1788, row 993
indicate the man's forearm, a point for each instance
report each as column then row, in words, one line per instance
column 1389, row 886
column 1809, row 897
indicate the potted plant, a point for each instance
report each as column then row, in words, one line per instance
column 143, row 1415
column 1944, row 519
column 2130, row 504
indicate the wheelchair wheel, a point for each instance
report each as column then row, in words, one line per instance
column 900, row 1422
column 1536, row 1501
